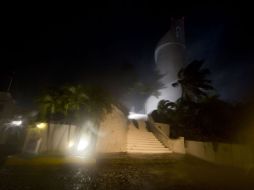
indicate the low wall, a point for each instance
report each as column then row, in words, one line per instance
column 162, row 132
column 36, row 139
column 112, row 135
column 221, row 153
column 163, row 127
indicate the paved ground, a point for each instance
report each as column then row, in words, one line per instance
column 172, row 172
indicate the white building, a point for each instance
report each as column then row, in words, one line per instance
column 169, row 58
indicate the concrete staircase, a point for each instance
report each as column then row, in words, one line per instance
column 140, row 140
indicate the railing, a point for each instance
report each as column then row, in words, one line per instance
column 161, row 136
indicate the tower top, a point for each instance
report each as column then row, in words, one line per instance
column 176, row 32
column 175, row 36
column 177, row 28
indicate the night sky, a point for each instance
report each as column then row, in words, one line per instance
column 46, row 48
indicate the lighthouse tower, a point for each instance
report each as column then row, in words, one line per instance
column 169, row 58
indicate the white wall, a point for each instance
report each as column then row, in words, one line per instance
column 58, row 139
column 112, row 135
column 163, row 127
column 226, row 154
column 162, row 132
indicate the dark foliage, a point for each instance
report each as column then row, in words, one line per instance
column 198, row 115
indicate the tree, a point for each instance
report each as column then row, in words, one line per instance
column 178, row 114
column 215, row 118
column 75, row 104
column 49, row 105
column 132, row 89
column 73, row 98
column 100, row 103
column 193, row 81
column 184, row 113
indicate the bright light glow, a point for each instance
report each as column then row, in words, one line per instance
column 16, row 123
column 71, row 143
column 133, row 115
column 41, row 125
column 82, row 145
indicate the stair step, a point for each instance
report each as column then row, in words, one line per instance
column 145, row 143
column 142, row 140
column 138, row 136
column 149, row 152
column 146, row 148
column 145, row 135
column 156, row 146
column 141, row 137
column 139, row 133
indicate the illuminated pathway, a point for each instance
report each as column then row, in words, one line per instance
column 140, row 140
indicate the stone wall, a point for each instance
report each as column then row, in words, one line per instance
column 112, row 136
column 221, row 153
column 163, row 127
column 162, row 132
column 58, row 138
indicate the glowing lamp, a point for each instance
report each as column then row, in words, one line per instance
column 16, row 123
column 71, row 143
column 41, row 125
column 82, row 145
column 133, row 115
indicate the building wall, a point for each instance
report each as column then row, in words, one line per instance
column 58, row 138
column 169, row 59
column 112, row 135
column 221, row 153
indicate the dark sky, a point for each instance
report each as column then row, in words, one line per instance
column 50, row 47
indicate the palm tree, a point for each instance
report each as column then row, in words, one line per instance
column 173, row 113
column 99, row 104
column 73, row 99
column 80, row 104
column 193, row 81
column 77, row 104
column 49, row 105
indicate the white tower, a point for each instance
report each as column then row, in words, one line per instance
column 169, row 58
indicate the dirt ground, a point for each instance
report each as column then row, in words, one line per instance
column 121, row 171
